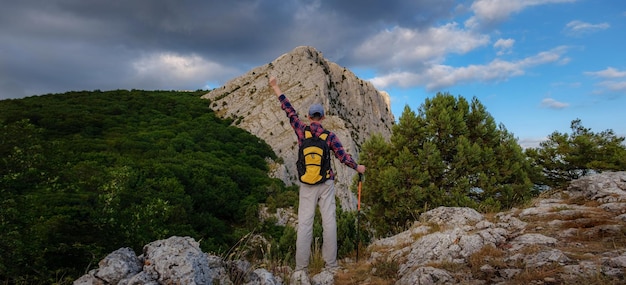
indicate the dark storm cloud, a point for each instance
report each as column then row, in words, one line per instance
column 59, row 45
column 405, row 13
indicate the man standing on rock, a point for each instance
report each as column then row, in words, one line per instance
column 322, row 194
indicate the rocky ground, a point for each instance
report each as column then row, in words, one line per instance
column 575, row 236
column 564, row 237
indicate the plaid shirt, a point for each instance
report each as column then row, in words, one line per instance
column 317, row 129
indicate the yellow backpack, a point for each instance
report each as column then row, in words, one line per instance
column 313, row 158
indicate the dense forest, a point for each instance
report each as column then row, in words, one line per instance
column 85, row 173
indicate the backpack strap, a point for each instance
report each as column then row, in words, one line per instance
column 309, row 134
column 324, row 135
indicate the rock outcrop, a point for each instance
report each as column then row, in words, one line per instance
column 176, row 260
column 576, row 236
column 564, row 237
column 355, row 110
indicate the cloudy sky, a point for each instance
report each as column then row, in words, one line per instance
column 536, row 65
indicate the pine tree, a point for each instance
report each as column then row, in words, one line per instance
column 449, row 154
column 565, row 157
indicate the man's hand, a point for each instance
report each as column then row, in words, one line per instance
column 360, row 168
column 274, row 84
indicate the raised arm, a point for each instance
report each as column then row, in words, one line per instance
column 274, row 84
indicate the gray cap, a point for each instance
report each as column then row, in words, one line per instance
column 316, row 108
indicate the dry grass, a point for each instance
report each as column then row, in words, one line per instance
column 367, row 271
column 316, row 263
column 592, row 229
column 596, row 279
column 543, row 274
column 488, row 255
column 549, row 274
column 364, row 273
column 491, row 217
column 449, row 266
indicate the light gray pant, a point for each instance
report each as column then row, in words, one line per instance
column 310, row 196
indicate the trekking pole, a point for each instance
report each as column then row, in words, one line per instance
column 358, row 211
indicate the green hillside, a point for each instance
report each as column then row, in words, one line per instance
column 85, row 173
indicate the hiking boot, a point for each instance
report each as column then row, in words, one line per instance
column 333, row 270
column 300, row 277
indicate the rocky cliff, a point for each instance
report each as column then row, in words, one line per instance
column 574, row 236
column 355, row 110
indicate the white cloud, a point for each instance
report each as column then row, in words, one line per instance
column 439, row 76
column 553, row 104
column 172, row 70
column 611, row 84
column 487, row 12
column 531, row 142
column 578, row 28
column 504, row 45
column 609, row 72
column 614, row 86
column 553, row 55
column 564, row 60
column 496, row 10
column 403, row 79
column 401, row 48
